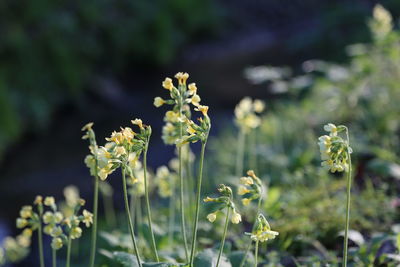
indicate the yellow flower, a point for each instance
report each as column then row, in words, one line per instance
column 21, row 223
column 127, row 132
column 119, row 151
column 38, row 200
column 27, row 232
column 116, row 137
column 56, row 231
column 212, row 216
column 167, row 84
column 182, row 77
column 190, row 129
column 56, row 243
column 192, row 88
column 71, row 194
column 203, row 109
column 48, row 229
column 138, row 122
column 23, row 241
column 246, row 181
column 88, row 126
column 246, row 201
column 258, row 105
column 49, row 201
column 195, row 100
column 158, row 102
column 26, row 212
column 171, row 116
column 236, row 217
column 76, row 232
column 208, row 199
column 243, row 190
column 87, row 218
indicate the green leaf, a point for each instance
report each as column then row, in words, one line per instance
column 209, row 258
column 236, row 259
column 126, row 259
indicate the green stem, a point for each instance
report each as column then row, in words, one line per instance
column 253, row 150
column 68, row 263
column 346, row 231
column 40, row 238
column 171, row 222
column 94, row 227
column 256, row 255
column 54, row 254
column 198, row 195
column 249, row 246
column 223, row 236
column 148, row 201
column 240, row 153
column 128, row 215
column 181, row 196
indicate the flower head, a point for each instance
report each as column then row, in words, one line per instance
column 158, row 102
column 87, row 218
column 262, row 231
column 212, row 216
column 167, row 84
column 251, row 188
column 335, row 151
column 246, row 111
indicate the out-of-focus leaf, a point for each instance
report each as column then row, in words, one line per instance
column 236, row 259
column 384, row 168
column 126, row 259
column 354, row 236
column 208, row 258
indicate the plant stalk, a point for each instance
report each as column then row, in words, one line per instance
column 40, row 237
column 128, row 215
column 198, row 195
column 256, row 255
column 95, row 211
column 346, row 231
column 223, row 236
column 181, row 196
column 146, row 189
column 68, row 262
column 54, row 255
column 240, row 153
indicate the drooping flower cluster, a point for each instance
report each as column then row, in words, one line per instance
column 262, row 230
column 123, row 148
column 13, row 249
column 178, row 119
column 382, row 22
column 251, row 188
column 62, row 226
column 335, row 151
column 165, row 179
column 246, row 111
column 222, row 202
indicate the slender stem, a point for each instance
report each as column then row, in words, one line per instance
column 223, row 236
column 54, row 254
column 181, row 196
column 240, row 153
column 256, row 255
column 171, row 211
column 68, row 263
column 253, row 150
column 346, row 231
column 146, row 189
column 40, row 237
column 94, row 227
column 249, row 246
column 128, row 215
column 198, row 195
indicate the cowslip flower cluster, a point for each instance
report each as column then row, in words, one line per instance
column 13, row 249
column 251, row 188
column 123, row 148
column 335, row 151
column 222, row 202
column 246, row 111
column 136, row 178
column 60, row 226
column 382, row 22
column 165, row 179
column 178, row 118
column 262, row 230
